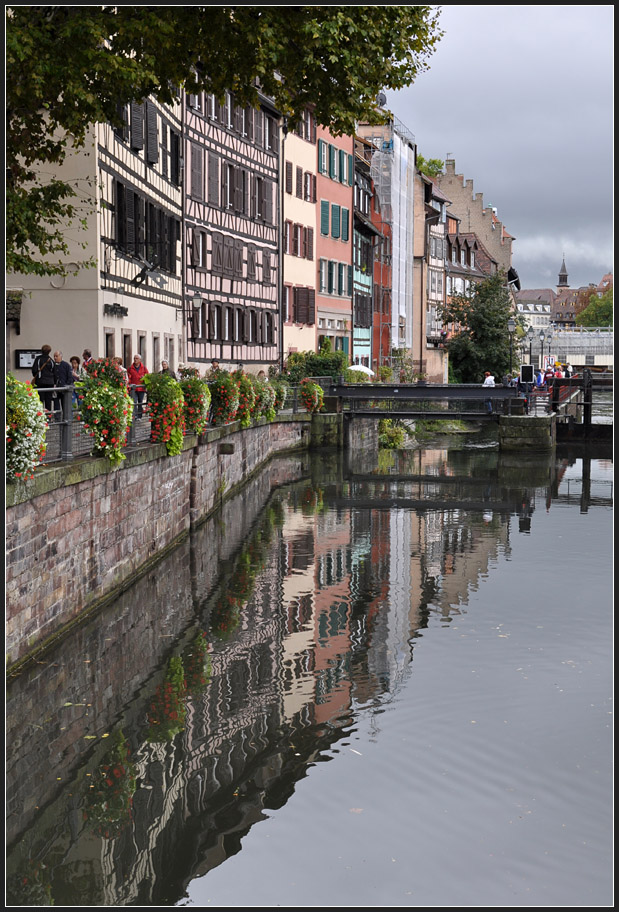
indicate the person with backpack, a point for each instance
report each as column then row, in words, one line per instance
column 44, row 376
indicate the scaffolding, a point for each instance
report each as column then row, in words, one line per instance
column 387, row 149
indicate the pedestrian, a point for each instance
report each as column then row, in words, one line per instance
column 118, row 361
column 558, row 372
column 78, row 375
column 44, row 376
column 86, row 358
column 213, row 370
column 64, row 377
column 569, row 370
column 136, row 373
column 539, row 379
column 166, row 369
column 488, row 381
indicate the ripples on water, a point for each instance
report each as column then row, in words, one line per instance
column 396, row 692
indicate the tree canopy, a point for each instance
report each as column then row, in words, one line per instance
column 599, row 311
column 71, row 66
column 431, row 167
column 482, row 343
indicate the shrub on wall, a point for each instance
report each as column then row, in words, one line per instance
column 247, row 397
column 166, row 407
column 224, row 398
column 25, row 429
column 312, row 395
column 265, row 399
column 106, row 409
column 197, row 397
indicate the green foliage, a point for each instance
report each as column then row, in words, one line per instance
column 391, row 434
column 385, row 373
column 599, row 311
column 354, row 376
column 482, row 343
column 108, row 800
column 25, row 429
column 265, row 398
column 167, row 711
column 71, row 66
column 431, row 167
column 312, row 364
column 105, row 370
column 166, row 407
column 282, row 388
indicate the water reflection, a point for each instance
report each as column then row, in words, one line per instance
column 146, row 747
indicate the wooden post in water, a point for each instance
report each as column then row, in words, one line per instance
column 588, row 402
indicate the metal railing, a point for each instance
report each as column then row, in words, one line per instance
column 66, row 437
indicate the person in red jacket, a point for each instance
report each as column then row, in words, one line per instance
column 136, row 373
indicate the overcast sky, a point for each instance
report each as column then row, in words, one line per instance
column 522, row 98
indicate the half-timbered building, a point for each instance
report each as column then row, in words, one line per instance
column 128, row 299
column 231, row 237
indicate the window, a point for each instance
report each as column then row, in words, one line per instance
column 322, row 156
column 309, row 187
column 323, row 275
column 109, row 343
column 463, row 256
column 286, row 315
column 287, row 236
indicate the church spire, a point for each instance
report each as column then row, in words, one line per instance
column 563, row 283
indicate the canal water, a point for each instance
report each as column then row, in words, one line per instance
column 381, row 683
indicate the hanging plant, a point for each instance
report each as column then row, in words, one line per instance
column 197, row 396
column 167, row 709
column 197, row 664
column 108, row 802
column 106, row 410
column 281, row 388
column 247, row 398
column 106, row 370
column 25, row 430
column 166, row 406
column 225, row 615
column 312, row 395
column 265, row 399
column 224, row 398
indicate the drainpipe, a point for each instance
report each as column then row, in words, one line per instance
column 282, row 187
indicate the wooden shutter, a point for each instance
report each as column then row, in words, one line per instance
column 175, row 157
column 342, row 167
column 212, row 321
column 299, row 187
column 295, row 240
column 324, row 217
column 259, row 319
column 228, row 256
column 313, row 198
column 288, row 177
column 140, row 226
column 311, row 305
column 164, row 150
column 130, row 220
column 249, row 120
column 197, row 190
column 121, row 216
column 350, row 170
column 137, row 126
column 330, row 276
column 152, row 138
column 217, row 257
column 332, row 152
column 266, row 267
column 309, row 250
column 258, row 126
column 251, row 262
column 246, row 326
column 195, row 247
column 345, row 215
column 239, row 247
column 213, row 179
column 267, row 207
column 238, row 189
column 335, row 220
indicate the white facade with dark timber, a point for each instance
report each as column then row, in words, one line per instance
column 231, row 236
column 130, row 299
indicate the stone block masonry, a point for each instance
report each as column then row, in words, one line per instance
column 527, row 433
column 79, row 534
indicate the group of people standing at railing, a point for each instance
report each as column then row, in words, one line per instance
column 51, row 373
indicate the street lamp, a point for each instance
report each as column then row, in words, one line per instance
column 530, row 334
column 511, row 326
column 542, row 336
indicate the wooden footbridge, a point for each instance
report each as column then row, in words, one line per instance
column 464, row 401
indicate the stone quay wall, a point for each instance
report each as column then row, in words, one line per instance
column 80, row 533
column 527, row 433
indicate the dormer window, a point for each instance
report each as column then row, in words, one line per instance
column 463, row 257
